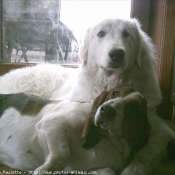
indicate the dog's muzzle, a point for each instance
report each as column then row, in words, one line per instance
column 106, row 113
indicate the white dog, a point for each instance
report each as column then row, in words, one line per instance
column 115, row 53
column 44, row 135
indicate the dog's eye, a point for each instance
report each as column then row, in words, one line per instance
column 125, row 34
column 101, row 34
column 116, row 94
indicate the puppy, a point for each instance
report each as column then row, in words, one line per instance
column 105, row 123
column 48, row 139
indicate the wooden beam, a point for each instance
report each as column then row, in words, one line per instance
column 1, row 30
column 164, row 37
column 6, row 67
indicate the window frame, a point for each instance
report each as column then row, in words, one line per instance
column 157, row 18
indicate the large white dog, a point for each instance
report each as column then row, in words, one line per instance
column 115, row 53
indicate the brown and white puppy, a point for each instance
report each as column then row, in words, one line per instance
column 43, row 135
column 124, row 114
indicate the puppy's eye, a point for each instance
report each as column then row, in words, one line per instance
column 116, row 94
column 101, row 34
column 125, row 34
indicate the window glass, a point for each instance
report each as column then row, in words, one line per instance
column 51, row 30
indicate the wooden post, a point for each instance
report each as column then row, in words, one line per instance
column 164, row 37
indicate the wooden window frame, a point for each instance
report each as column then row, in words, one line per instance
column 158, row 19
column 1, row 29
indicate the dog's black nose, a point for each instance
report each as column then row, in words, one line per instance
column 117, row 55
column 107, row 111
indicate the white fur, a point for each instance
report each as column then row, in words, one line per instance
column 51, row 141
column 137, row 72
column 138, row 61
column 41, row 80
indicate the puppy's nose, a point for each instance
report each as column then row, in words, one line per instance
column 117, row 55
column 107, row 111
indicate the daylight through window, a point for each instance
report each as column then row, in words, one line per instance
column 50, row 31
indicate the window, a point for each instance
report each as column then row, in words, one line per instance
column 80, row 15
column 31, row 31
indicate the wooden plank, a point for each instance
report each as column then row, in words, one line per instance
column 6, row 67
column 164, row 36
column 173, row 115
column 1, row 33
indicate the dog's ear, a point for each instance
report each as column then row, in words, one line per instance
column 84, row 48
column 139, row 44
column 145, row 52
column 91, row 134
column 136, row 127
column 99, row 100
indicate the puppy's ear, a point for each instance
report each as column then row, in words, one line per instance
column 136, row 127
column 91, row 134
column 99, row 100
column 84, row 48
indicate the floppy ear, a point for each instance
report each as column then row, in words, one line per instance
column 136, row 127
column 145, row 48
column 91, row 134
column 84, row 48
